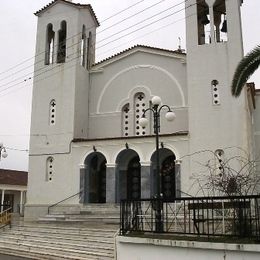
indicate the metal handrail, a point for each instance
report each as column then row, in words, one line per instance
column 229, row 216
column 57, row 203
column 5, row 217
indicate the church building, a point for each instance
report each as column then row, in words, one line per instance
column 87, row 144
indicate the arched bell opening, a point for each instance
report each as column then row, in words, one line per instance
column 128, row 175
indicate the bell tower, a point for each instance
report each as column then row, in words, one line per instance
column 65, row 52
column 214, row 48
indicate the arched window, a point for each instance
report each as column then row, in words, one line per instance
column 131, row 115
column 49, row 169
column 203, row 17
column 125, row 120
column 139, row 107
column 83, row 47
column 220, row 21
column 49, row 50
column 61, row 53
column 89, row 53
column 215, row 92
column 52, row 112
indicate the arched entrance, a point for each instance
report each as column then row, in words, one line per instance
column 95, row 176
column 128, row 175
column 167, row 173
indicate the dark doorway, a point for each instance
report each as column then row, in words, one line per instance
column 95, row 185
column 128, row 175
column 167, row 174
column 134, row 179
column 168, row 178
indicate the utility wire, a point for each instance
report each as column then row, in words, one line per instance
column 17, row 65
column 98, row 47
column 131, row 16
column 22, row 77
column 57, row 45
column 138, row 23
column 136, row 30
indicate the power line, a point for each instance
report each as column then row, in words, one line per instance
column 131, row 16
column 17, row 65
column 96, row 48
column 140, row 28
column 150, row 17
column 22, row 77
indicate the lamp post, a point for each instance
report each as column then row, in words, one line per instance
column 170, row 116
column 3, row 152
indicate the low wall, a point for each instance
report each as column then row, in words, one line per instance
column 133, row 248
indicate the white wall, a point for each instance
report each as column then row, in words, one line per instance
column 129, row 248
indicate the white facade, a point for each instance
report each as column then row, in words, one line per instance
column 85, row 132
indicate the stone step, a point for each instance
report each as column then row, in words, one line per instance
column 78, row 228
column 50, row 238
column 65, row 231
column 42, row 255
column 97, row 247
column 55, row 250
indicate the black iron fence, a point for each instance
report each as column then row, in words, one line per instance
column 237, row 216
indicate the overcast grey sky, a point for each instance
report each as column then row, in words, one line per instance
column 18, row 32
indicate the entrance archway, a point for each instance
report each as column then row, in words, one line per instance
column 128, row 175
column 95, row 174
column 167, row 173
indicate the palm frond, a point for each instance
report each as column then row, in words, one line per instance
column 246, row 67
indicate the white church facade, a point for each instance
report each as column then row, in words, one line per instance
column 86, row 139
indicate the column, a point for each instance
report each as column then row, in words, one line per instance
column 82, row 183
column 111, row 183
column 145, row 180
column 21, row 203
column 178, row 178
column 2, row 200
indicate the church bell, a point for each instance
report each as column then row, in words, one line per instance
column 205, row 20
column 224, row 27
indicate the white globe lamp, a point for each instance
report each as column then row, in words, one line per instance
column 143, row 121
column 156, row 101
column 170, row 116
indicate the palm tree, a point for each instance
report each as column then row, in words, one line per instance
column 246, row 67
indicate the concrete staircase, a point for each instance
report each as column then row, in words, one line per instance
column 85, row 235
column 92, row 213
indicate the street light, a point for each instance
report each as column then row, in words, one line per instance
column 170, row 116
column 3, row 152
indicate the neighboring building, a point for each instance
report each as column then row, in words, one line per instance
column 13, row 188
column 85, row 131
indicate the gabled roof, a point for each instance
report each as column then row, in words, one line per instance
column 137, row 48
column 79, row 6
column 12, row 177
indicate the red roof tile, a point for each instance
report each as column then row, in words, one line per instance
column 12, row 177
column 78, row 5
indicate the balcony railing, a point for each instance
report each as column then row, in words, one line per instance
column 237, row 216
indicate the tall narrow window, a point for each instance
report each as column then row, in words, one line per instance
column 125, row 120
column 61, row 54
column 220, row 21
column 89, row 54
column 203, row 22
column 83, row 47
column 49, row 51
column 215, row 92
column 139, row 106
column 49, row 169
column 52, row 112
